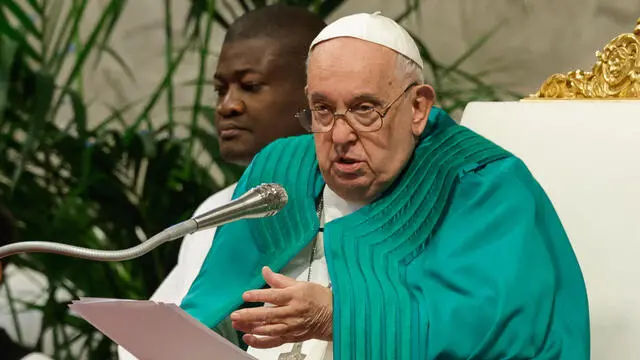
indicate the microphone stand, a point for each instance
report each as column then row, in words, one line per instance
column 261, row 201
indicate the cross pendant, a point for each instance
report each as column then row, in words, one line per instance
column 295, row 354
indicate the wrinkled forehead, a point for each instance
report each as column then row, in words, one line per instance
column 353, row 65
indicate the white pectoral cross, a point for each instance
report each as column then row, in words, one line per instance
column 295, row 354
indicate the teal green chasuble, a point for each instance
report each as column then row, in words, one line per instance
column 463, row 257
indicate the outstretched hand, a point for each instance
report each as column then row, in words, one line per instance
column 301, row 311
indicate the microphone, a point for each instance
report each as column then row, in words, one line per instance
column 261, row 201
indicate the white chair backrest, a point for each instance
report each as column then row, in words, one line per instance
column 586, row 155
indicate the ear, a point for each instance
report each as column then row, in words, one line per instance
column 423, row 101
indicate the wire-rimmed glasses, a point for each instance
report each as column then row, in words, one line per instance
column 362, row 117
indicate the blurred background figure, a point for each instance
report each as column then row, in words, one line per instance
column 259, row 79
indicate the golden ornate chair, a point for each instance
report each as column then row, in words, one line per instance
column 616, row 74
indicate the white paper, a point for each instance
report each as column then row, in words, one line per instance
column 155, row 331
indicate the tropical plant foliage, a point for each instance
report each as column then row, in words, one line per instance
column 111, row 184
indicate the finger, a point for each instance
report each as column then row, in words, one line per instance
column 263, row 315
column 270, row 330
column 290, row 327
column 265, row 342
column 271, row 296
column 246, row 327
column 277, row 281
column 249, row 327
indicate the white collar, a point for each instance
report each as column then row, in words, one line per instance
column 336, row 207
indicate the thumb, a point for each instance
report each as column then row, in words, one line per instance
column 277, row 281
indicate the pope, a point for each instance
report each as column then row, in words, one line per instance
column 406, row 235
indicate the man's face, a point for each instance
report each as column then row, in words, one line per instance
column 348, row 73
column 258, row 97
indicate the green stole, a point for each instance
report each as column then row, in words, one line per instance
column 367, row 251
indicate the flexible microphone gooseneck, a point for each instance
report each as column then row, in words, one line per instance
column 261, row 201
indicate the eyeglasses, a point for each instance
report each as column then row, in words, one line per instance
column 362, row 118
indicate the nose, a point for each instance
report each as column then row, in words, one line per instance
column 342, row 132
column 231, row 105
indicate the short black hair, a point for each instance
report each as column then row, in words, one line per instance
column 284, row 23
column 293, row 27
column 7, row 227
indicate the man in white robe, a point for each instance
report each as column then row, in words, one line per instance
column 260, row 79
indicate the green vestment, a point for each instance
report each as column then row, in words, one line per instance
column 463, row 257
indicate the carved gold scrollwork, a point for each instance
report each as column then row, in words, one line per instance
column 616, row 74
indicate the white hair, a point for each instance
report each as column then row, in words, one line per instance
column 406, row 69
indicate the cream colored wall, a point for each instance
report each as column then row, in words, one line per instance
column 140, row 40
column 540, row 37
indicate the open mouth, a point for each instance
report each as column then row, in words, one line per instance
column 347, row 161
column 347, row 165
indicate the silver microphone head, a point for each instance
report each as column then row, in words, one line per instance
column 261, row 201
column 274, row 196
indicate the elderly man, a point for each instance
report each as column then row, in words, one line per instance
column 406, row 236
column 262, row 58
